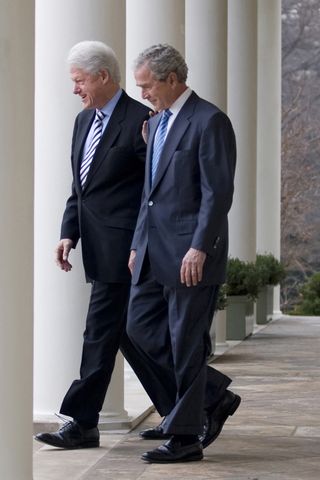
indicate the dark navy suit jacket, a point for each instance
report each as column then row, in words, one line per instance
column 188, row 203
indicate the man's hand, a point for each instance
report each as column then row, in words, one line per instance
column 192, row 267
column 62, row 254
column 132, row 260
column 144, row 131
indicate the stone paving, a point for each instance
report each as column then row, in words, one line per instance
column 275, row 434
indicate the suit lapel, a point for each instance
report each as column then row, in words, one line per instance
column 152, row 125
column 174, row 136
column 83, row 130
column 109, row 137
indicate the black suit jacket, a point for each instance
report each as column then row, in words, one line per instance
column 104, row 213
column 187, row 205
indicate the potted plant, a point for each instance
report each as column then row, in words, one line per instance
column 218, row 327
column 242, row 289
column 271, row 272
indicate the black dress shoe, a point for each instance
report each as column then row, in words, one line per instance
column 173, row 451
column 217, row 417
column 155, row 433
column 71, row 435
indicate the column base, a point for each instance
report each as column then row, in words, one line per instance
column 50, row 423
column 137, row 406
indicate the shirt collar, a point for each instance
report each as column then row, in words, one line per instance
column 178, row 104
column 108, row 108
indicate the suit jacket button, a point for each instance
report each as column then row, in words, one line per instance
column 150, row 203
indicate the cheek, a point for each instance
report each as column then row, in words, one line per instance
column 90, row 92
column 155, row 92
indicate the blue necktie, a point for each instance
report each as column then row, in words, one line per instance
column 159, row 142
column 97, row 132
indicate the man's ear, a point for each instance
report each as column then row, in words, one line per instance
column 172, row 79
column 105, row 75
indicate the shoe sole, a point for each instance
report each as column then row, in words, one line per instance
column 233, row 408
column 95, row 444
column 192, row 458
column 156, row 437
column 235, row 405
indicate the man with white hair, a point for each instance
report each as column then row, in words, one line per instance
column 108, row 155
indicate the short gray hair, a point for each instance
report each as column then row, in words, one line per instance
column 163, row 59
column 92, row 56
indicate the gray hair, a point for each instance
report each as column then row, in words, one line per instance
column 163, row 59
column 92, row 56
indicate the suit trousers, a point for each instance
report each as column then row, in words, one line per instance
column 104, row 334
column 170, row 328
column 105, row 327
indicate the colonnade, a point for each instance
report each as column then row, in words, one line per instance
column 232, row 48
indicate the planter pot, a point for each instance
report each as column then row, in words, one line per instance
column 264, row 309
column 220, row 321
column 240, row 317
column 218, row 332
column 213, row 336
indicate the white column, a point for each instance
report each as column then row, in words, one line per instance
column 206, row 49
column 150, row 22
column 113, row 408
column 61, row 299
column 269, row 130
column 16, row 241
column 242, row 109
column 206, row 56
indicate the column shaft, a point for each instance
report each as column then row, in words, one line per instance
column 269, row 130
column 206, row 49
column 242, row 109
column 150, row 22
column 61, row 299
column 16, row 242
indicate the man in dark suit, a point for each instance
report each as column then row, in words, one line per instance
column 108, row 158
column 179, row 254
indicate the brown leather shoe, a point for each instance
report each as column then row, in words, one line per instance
column 70, row 436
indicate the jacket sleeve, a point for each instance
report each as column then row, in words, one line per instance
column 140, row 149
column 70, row 220
column 217, row 158
column 140, row 223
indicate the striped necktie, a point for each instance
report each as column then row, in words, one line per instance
column 97, row 132
column 159, row 142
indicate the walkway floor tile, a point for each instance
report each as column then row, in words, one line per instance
column 274, row 435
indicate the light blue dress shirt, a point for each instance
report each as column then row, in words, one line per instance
column 107, row 109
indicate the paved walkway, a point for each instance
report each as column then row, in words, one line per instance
column 275, row 434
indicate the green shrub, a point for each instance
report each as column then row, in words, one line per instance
column 310, row 297
column 243, row 278
column 222, row 297
column 271, row 270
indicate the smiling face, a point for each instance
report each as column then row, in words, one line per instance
column 160, row 93
column 92, row 88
